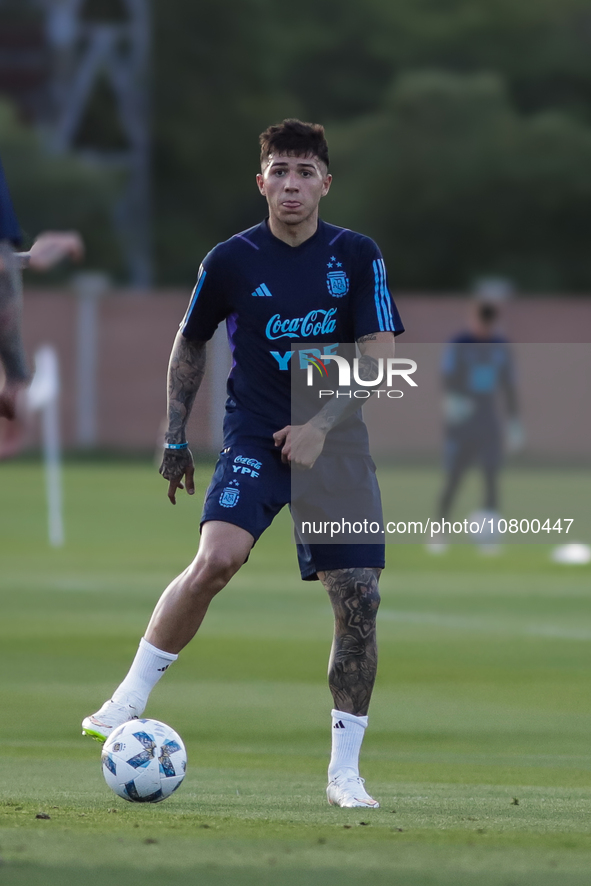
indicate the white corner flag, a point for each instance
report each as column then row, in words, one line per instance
column 43, row 395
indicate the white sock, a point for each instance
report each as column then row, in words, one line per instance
column 147, row 668
column 347, row 735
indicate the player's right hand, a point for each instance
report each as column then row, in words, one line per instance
column 176, row 465
column 13, row 406
column 9, row 398
column 52, row 247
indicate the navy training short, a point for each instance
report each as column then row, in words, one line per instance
column 250, row 485
column 478, row 441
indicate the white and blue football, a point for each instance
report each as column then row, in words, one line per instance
column 144, row 761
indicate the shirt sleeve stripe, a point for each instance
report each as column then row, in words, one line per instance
column 196, row 291
column 335, row 238
column 376, row 274
column 246, row 240
column 383, row 300
column 386, row 300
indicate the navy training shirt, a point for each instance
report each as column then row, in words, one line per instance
column 274, row 297
column 9, row 228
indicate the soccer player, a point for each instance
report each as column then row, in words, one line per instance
column 290, row 279
column 12, row 356
column 47, row 250
column 477, row 371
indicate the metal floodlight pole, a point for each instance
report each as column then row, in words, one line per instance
column 83, row 52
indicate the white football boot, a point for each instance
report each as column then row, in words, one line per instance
column 100, row 725
column 350, row 792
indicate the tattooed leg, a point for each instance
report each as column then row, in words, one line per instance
column 354, row 656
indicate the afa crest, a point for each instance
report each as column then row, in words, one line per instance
column 338, row 283
column 230, row 495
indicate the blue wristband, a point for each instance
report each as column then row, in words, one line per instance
column 176, row 445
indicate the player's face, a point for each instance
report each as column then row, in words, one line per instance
column 293, row 187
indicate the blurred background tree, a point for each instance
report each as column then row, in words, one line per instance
column 455, row 183
column 58, row 192
column 460, row 130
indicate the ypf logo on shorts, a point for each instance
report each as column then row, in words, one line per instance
column 249, row 466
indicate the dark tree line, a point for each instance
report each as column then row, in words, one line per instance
column 460, row 131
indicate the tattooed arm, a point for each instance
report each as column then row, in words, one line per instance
column 301, row 445
column 185, row 373
column 12, row 355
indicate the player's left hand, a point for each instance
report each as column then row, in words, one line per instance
column 51, row 247
column 300, row 445
column 514, row 436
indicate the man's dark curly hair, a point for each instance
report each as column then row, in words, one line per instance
column 294, row 138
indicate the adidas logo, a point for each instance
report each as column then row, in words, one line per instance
column 262, row 290
column 165, row 668
column 339, row 725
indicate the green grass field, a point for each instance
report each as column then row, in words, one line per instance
column 479, row 745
